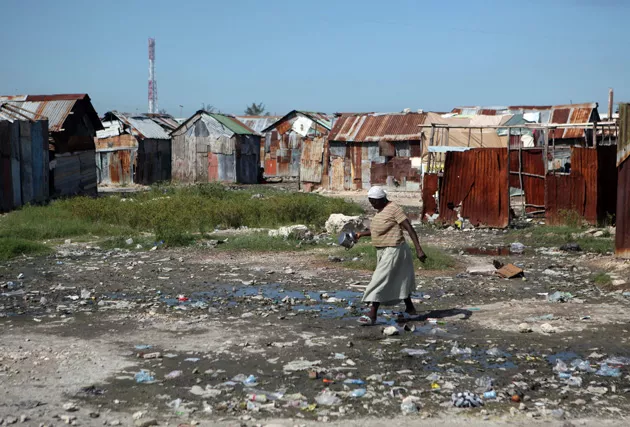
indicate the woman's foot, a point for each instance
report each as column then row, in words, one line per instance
column 367, row 320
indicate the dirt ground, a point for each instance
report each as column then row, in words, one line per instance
column 77, row 327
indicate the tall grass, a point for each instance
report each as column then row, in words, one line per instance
column 171, row 214
column 11, row 247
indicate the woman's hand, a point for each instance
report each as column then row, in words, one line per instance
column 422, row 256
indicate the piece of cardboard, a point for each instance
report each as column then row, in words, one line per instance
column 510, row 270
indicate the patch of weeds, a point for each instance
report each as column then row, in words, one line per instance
column 602, row 279
column 570, row 218
column 11, row 247
column 172, row 214
column 367, row 257
column 596, row 245
column 261, row 242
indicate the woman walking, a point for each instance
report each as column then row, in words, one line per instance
column 394, row 278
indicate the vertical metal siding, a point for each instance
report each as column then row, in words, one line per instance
column 429, row 188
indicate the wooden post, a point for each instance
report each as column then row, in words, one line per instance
column 545, row 145
column 481, row 132
column 610, row 104
column 595, row 134
column 469, row 131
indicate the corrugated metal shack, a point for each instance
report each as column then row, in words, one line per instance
column 259, row 124
column 24, row 173
column 212, row 147
column 554, row 168
column 72, row 126
column 376, row 149
column 132, row 149
column 296, row 146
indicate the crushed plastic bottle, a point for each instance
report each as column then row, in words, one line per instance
column 327, row 398
column 354, row 381
column 456, row 351
column 494, row 352
column 560, row 366
column 144, row 377
column 250, row 381
column 173, row 374
column 607, row 371
column 564, row 375
column 582, row 365
column 560, row 297
column 575, row 381
column 261, row 398
column 409, row 405
column 490, row 394
column 517, row 248
column 360, row 392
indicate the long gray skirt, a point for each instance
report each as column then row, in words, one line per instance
column 394, row 277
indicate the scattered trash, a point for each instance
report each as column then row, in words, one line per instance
column 546, row 328
column 173, row 374
column 359, row 392
column 390, row 331
column 494, row 352
column 560, row 297
column 327, row 398
column 250, row 381
column 517, row 248
column 456, row 351
column 409, row 405
column 191, row 359
column 582, row 365
column 570, row 247
column 414, row 351
column 490, row 394
column 607, row 371
column 466, row 400
column 144, row 377
column 510, row 271
column 354, row 381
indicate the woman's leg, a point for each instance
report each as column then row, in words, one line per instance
column 409, row 307
column 374, row 311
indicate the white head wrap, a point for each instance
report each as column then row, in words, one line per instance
column 377, row 193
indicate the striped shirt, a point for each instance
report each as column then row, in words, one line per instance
column 385, row 227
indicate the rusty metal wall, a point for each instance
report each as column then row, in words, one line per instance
column 622, row 236
column 475, row 182
column 531, row 162
column 565, row 193
column 429, row 188
column 606, row 182
column 312, row 162
column 116, row 167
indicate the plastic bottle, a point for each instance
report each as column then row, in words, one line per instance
column 490, row 394
column 354, row 381
column 261, row 398
column 250, row 381
column 360, row 392
column 144, row 377
column 408, row 406
column 564, row 375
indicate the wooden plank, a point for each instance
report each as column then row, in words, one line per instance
column 26, row 165
column 14, row 130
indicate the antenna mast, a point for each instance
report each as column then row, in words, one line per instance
column 153, row 96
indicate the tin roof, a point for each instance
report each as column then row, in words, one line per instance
column 258, row 123
column 549, row 114
column 137, row 125
column 371, row 127
column 230, row 123
column 167, row 121
column 322, row 119
column 56, row 108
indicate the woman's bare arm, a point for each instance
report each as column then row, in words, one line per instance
column 414, row 238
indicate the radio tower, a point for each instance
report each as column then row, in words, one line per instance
column 153, row 95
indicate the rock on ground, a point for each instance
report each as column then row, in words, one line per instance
column 337, row 223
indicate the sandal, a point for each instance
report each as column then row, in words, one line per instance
column 366, row 321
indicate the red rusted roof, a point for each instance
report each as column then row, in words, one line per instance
column 373, row 127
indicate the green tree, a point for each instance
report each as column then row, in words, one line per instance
column 255, row 109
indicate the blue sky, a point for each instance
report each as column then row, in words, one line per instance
column 328, row 56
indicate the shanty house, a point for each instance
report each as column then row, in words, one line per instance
column 24, row 171
column 212, row 147
column 296, row 147
column 132, row 149
column 259, row 124
column 72, row 126
column 376, row 149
